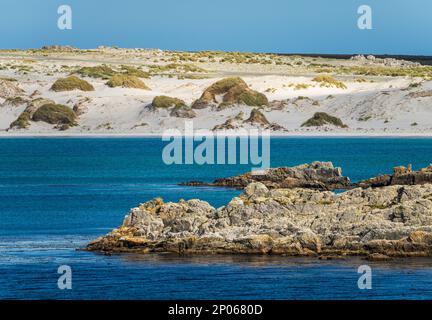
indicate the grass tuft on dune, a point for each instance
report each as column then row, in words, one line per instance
column 328, row 81
column 126, row 81
column 71, row 83
column 102, row 72
column 55, row 114
column 165, row 102
column 321, row 118
column 234, row 91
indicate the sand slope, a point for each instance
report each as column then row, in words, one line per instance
column 370, row 105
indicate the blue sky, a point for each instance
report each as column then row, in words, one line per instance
column 285, row 26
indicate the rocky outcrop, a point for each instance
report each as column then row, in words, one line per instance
column 256, row 119
column 81, row 107
column 388, row 62
column 181, row 112
column 420, row 94
column 317, row 175
column 394, row 221
column 401, row 176
column 231, row 123
column 59, row 48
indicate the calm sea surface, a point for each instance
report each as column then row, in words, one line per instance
column 57, row 194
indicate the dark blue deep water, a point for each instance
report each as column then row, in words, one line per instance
column 57, row 194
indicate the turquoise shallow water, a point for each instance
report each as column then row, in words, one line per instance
column 57, row 194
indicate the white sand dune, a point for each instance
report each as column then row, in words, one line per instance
column 379, row 106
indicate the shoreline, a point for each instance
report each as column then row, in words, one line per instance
column 158, row 135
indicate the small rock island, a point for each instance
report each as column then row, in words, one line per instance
column 378, row 222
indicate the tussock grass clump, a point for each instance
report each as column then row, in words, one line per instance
column 298, row 86
column 251, row 98
column 55, row 114
column 302, row 86
column 424, row 72
column 329, row 82
column 361, row 80
column 164, row 102
column 71, row 83
column 126, row 81
column 8, row 79
column 102, row 72
column 176, row 67
column 228, row 57
column 24, row 69
column 321, row 118
column 15, row 101
column 184, row 76
column 179, row 107
column 132, row 71
column 234, row 91
column 22, row 122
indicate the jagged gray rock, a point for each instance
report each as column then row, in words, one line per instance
column 390, row 221
column 401, row 176
column 316, row 175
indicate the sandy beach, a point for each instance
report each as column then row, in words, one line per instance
column 370, row 96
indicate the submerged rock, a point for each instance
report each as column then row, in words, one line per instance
column 375, row 222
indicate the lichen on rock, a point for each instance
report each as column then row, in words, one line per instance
column 372, row 222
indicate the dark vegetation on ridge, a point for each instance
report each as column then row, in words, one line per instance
column 126, row 81
column 165, row 102
column 321, row 118
column 234, row 91
column 55, row 114
column 71, row 83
